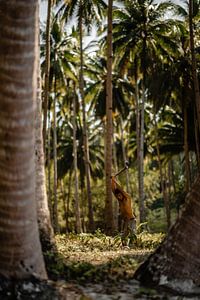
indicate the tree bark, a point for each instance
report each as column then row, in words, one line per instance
column 47, row 70
column 194, row 64
column 162, row 178
column 109, row 220
column 20, row 251
column 76, row 189
column 186, row 151
column 85, row 131
column 43, row 215
column 55, row 177
column 176, row 263
column 141, row 158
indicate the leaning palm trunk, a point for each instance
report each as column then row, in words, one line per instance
column 76, row 198
column 20, row 251
column 176, row 263
column 109, row 220
column 85, row 131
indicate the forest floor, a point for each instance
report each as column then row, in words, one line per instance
column 90, row 267
column 97, row 267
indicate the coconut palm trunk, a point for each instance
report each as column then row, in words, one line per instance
column 76, row 189
column 141, row 158
column 186, row 151
column 55, row 177
column 124, row 156
column 109, row 220
column 85, row 131
column 43, row 215
column 176, row 264
column 194, row 63
column 20, row 251
column 47, row 70
column 162, row 178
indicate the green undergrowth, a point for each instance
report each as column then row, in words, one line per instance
column 99, row 258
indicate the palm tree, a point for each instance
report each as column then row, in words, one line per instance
column 192, row 13
column 62, row 65
column 47, row 70
column 20, row 251
column 86, row 13
column 140, row 33
column 43, row 215
column 76, row 198
column 109, row 220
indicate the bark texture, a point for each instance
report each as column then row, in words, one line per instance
column 109, row 128
column 20, row 251
column 176, row 263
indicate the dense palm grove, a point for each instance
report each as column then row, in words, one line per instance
column 154, row 116
column 76, row 114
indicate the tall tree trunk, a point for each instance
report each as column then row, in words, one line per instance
column 141, row 158
column 124, row 156
column 186, row 151
column 109, row 220
column 55, row 179
column 137, row 113
column 162, row 177
column 197, row 142
column 47, row 70
column 20, row 251
column 176, row 264
column 76, row 197
column 116, row 213
column 43, row 215
column 85, row 131
column 194, row 64
column 49, row 168
column 68, row 200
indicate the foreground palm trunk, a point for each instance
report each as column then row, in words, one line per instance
column 176, row 263
column 20, row 250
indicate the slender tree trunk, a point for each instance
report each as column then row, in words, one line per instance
column 55, row 181
column 162, row 177
column 109, row 220
column 175, row 264
column 141, row 159
column 20, row 250
column 186, row 151
column 116, row 204
column 137, row 112
column 44, row 220
column 124, row 156
column 197, row 142
column 85, row 131
column 49, row 169
column 47, row 70
column 194, row 64
column 76, row 197
column 68, row 200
